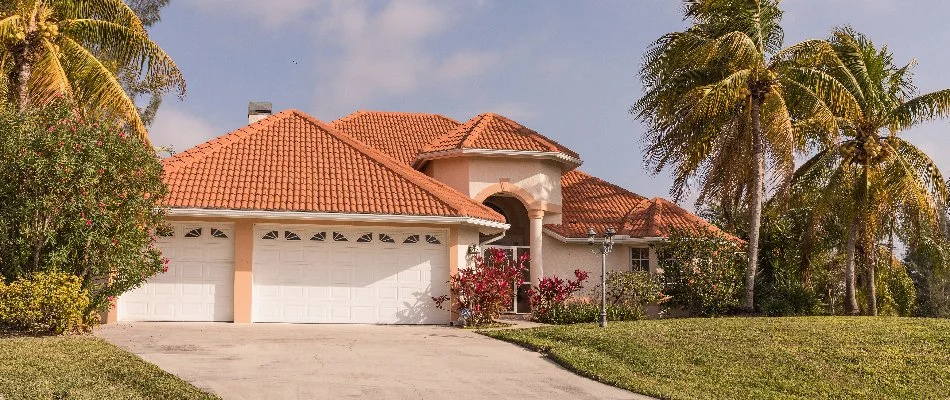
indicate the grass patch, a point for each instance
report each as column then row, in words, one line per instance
column 756, row 358
column 82, row 367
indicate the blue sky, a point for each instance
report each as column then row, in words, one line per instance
column 567, row 69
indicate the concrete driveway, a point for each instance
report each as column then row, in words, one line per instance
column 283, row 361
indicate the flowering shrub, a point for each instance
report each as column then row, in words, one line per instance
column 703, row 272
column 45, row 302
column 481, row 293
column 553, row 292
column 79, row 196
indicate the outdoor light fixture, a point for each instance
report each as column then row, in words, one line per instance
column 606, row 246
column 473, row 250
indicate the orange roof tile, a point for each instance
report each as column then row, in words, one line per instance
column 399, row 134
column 290, row 161
column 590, row 202
column 494, row 132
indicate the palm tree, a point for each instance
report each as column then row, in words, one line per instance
column 720, row 100
column 51, row 48
column 874, row 176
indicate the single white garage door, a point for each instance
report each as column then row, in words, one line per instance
column 199, row 283
column 349, row 275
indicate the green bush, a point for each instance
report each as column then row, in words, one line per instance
column 583, row 311
column 49, row 302
column 789, row 298
column 634, row 288
column 79, row 196
column 703, row 272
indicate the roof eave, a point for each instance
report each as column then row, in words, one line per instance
column 568, row 162
column 341, row 217
column 619, row 239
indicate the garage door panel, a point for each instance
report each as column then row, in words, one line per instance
column 198, row 285
column 364, row 279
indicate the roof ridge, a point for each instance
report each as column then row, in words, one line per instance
column 211, row 147
column 469, row 137
column 407, row 172
column 360, row 112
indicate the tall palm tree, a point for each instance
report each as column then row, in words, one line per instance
column 51, row 48
column 873, row 175
column 720, row 100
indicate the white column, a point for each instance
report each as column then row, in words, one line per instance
column 537, row 265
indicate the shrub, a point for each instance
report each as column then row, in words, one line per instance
column 788, row 297
column 553, row 292
column 481, row 293
column 702, row 272
column 80, row 197
column 634, row 288
column 51, row 302
column 584, row 310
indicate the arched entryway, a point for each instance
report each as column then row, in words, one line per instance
column 515, row 242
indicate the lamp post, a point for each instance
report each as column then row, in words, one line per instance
column 606, row 246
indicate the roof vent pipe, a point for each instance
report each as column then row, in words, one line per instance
column 258, row 110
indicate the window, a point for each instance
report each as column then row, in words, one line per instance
column 218, row 233
column 639, row 259
column 432, row 240
column 338, row 237
column 193, row 233
column 411, row 239
column 165, row 231
column 272, row 235
column 319, row 236
column 288, row 235
column 365, row 238
column 386, row 238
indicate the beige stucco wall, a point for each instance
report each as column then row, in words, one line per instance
column 561, row 259
column 536, row 182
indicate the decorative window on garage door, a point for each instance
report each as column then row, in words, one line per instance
column 431, row 239
column 319, row 237
column 386, row 238
column 411, row 239
column 215, row 232
column 193, row 233
column 339, row 237
column 365, row 238
column 288, row 235
column 272, row 235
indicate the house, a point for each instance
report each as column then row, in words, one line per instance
column 363, row 220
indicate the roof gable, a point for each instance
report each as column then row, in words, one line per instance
column 290, row 161
column 495, row 132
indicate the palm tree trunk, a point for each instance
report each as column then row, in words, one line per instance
column 872, row 288
column 23, row 70
column 850, row 297
column 755, row 215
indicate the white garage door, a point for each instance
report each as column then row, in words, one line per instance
column 346, row 275
column 199, row 283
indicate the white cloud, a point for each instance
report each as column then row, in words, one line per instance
column 180, row 130
column 272, row 13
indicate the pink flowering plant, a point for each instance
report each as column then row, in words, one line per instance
column 702, row 272
column 482, row 292
column 80, row 196
column 552, row 292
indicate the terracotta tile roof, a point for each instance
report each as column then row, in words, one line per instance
column 292, row 162
column 401, row 135
column 593, row 202
column 495, row 132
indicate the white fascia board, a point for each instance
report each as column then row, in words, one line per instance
column 548, row 155
column 627, row 240
column 376, row 218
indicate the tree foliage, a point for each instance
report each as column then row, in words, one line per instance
column 702, row 272
column 724, row 102
column 79, row 197
column 50, row 48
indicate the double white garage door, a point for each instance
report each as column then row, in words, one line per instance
column 301, row 273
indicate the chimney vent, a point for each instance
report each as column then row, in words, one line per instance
column 258, row 110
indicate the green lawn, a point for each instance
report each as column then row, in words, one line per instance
column 756, row 358
column 82, row 367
